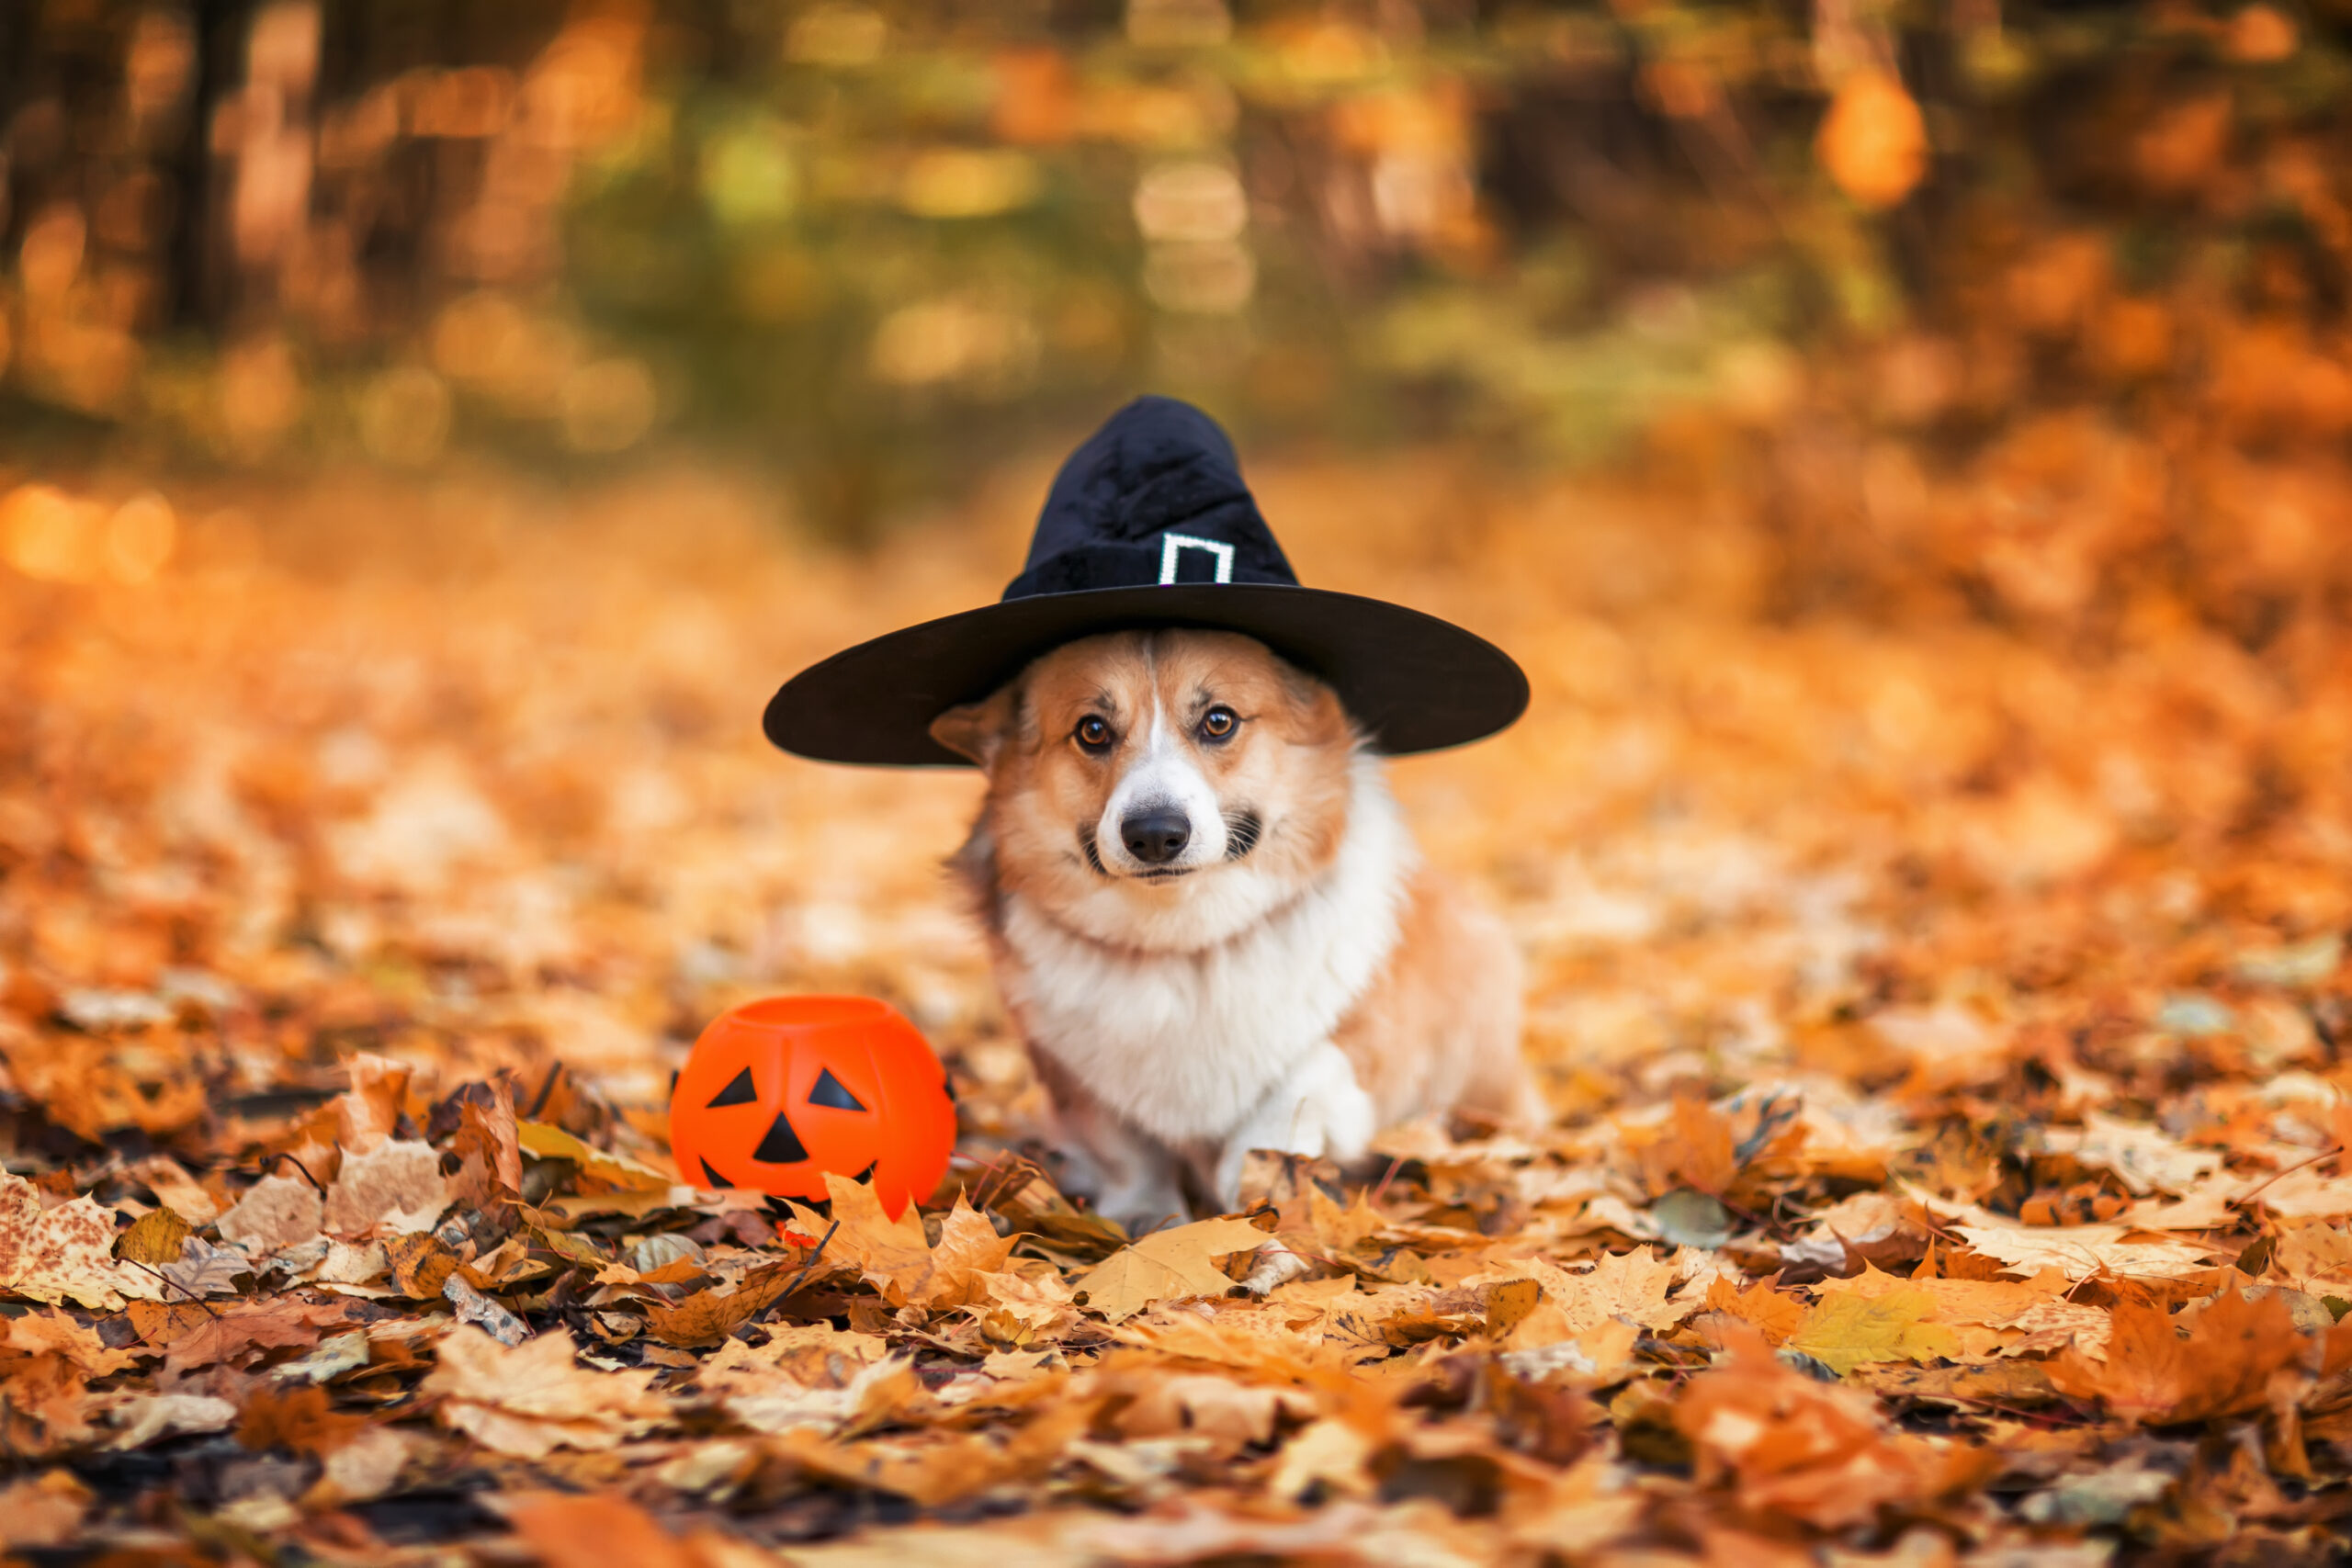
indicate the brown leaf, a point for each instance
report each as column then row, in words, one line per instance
column 369, row 1110
column 395, row 1188
column 535, row 1398
column 236, row 1335
column 47, row 1402
column 2224, row 1365
column 275, row 1212
column 706, row 1318
column 420, row 1263
column 492, row 1160
column 301, row 1419
column 51, row 1332
column 154, row 1239
column 1774, row 1314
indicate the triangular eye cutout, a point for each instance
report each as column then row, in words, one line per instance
column 738, row 1091
column 782, row 1145
column 829, row 1090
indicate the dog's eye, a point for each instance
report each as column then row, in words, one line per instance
column 1093, row 734
column 1217, row 723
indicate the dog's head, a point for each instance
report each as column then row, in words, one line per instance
column 1160, row 789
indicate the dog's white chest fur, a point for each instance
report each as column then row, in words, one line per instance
column 1185, row 1045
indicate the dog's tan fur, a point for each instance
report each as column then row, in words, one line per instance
column 1319, row 931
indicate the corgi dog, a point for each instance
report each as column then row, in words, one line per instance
column 1210, row 924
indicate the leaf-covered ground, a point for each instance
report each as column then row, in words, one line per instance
column 1945, row 1026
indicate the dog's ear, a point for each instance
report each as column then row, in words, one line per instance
column 977, row 731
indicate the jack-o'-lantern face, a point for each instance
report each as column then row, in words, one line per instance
column 780, row 1092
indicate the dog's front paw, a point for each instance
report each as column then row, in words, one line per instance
column 1319, row 1111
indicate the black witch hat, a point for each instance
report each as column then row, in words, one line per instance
column 1148, row 525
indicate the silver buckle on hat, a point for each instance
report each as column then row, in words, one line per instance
column 1171, row 545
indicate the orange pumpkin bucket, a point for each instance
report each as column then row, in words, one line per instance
column 778, row 1093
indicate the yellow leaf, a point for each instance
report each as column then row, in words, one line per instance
column 893, row 1255
column 550, row 1142
column 1167, row 1264
column 154, row 1240
column 1844, row 1331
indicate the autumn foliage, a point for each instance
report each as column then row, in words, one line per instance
column 1943, row 1025
column 1930, row 839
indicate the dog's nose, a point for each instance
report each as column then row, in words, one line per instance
column 1156, row 838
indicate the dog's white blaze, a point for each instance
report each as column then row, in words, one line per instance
column 1188, row 1045
column 1163, row 776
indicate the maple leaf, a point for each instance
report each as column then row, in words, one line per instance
column 534, row 1398
column 2224, row 1365
column 1774, row 1314
column 547, row 1141
column 1623, row 1289
column 2142, row 1157
column 707, row 1316
column 1167, row 1264
column 50, row 1331
column 1218, row 1407
column 64, row 1254
column 396, row 1186
column 896, row 1258
column 236, row 1335
column 1816, row 1451
column 1023, row 1308
column 1847, row 1329
column 2082, row 1251
column 275, row 1212
column 1696, row 1148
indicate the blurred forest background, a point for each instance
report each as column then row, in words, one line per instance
column 2030, row 307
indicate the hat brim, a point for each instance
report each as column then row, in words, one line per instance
column 1412, row 681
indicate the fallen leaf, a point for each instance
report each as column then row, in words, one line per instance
column 395, row 1189
column 145, row 1418
column 482, row 1312
column 1167, row 1264
column 275, row 1212
column 300, row 1419
column 154, row 1239
column 51, row 1332
column 1772, row 1312
column 1845, row 1330
column 2225, row 1364
column 534, row 1398
column 548, row 1141
column 64, row 1254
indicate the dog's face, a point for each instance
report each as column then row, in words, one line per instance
column 1161, row 789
